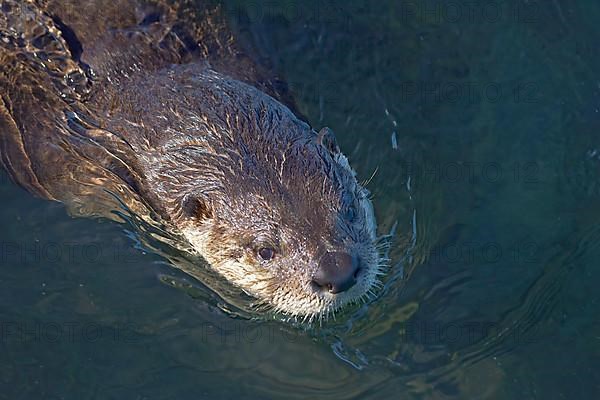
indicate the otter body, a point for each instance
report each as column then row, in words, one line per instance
column 157, row 108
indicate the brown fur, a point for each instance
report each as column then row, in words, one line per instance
column 158, row 107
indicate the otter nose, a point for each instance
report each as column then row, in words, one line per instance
column 337, row 272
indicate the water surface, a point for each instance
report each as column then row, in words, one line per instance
column 480, row 120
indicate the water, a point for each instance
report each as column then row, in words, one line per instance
column 480, row 120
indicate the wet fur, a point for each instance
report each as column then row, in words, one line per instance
column 182, row 123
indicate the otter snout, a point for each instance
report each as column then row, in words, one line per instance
column 337, row 272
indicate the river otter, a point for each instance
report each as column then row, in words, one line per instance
column 155, row 106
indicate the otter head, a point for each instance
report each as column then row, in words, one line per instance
column 276, row 209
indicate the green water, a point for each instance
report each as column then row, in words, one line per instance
column 481, row 120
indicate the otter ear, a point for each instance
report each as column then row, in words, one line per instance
column 326, row 138
column 196, row 206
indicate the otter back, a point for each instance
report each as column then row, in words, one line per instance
column 64, row 70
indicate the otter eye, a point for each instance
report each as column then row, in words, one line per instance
column 266, row 253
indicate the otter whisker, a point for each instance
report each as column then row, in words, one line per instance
column 366, row 183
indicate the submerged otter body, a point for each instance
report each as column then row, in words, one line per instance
column 156, row 107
